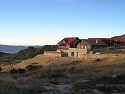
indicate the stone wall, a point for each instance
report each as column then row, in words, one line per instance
column 55, row 54
column 98, row 49
column 99, row 56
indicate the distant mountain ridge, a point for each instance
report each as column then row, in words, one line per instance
column 27, row 53
column 119, row 37
column 11, row 49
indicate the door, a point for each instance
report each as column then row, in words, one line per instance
column 77, row 54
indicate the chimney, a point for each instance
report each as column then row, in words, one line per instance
column 97, row 41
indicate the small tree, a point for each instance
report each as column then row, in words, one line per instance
column 20, row 71
column 13, row 71
column 31, row 67
column 72, row 68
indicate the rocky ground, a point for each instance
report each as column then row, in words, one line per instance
column 57, row 88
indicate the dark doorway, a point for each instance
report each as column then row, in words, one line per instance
column 77, row 54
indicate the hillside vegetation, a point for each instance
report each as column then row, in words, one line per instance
column 119, row 37
column 3, row 54
column 27, row 53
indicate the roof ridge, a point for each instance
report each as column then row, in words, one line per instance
column 70, row 37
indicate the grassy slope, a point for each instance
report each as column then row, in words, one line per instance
column 73, row 69
column 82, row 68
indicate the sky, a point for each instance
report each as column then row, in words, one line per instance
column 43, row 22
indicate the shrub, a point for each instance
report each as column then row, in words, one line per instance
column 34, row 63
column 56, row 74
column 72, row 68
column 31, row 67
column 21, row 70
column 13, row 71
column 98, row 59
column 53, row 73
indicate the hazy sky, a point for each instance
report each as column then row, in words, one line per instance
column 39, row 22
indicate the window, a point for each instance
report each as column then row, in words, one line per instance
column 72, row 53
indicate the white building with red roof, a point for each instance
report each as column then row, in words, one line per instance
column 75, row 47
column 68, row 42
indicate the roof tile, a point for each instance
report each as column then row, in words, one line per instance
column 68, row 40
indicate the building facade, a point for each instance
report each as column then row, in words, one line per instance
column 67, row 43
column 75, row 47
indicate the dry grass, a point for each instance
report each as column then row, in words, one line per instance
column 7, row 80
column 60, row 68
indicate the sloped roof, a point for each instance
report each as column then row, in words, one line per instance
column 93, row 42
column 67, row 40
column 123, row 40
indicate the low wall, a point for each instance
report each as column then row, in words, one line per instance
column 99, row 56
column 55, row 54
column 98, row 49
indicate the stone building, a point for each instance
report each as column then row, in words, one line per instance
column 67, row 43
column 75, row 47
column 91, row 45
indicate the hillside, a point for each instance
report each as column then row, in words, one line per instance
column 31, row 52
column 3, row 54
column 119, row 37
column 27, row 53
column 66, row 75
